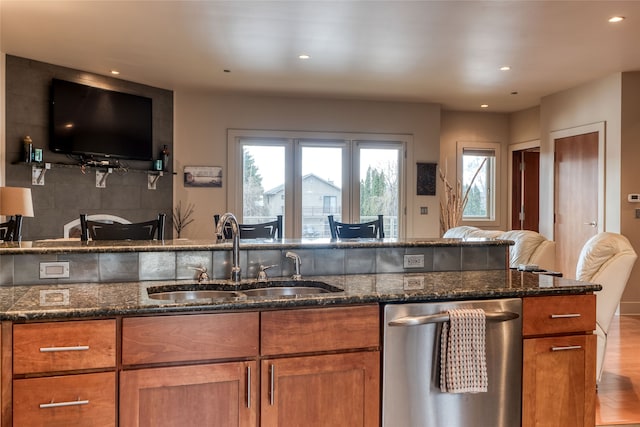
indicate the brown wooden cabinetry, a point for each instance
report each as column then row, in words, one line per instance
column 201, row 393
column 63, row 374
column 316, row 390
column 559, row 359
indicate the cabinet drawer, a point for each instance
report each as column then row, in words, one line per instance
column 64, row 346
column 70, row 400
column 189, row 337
column 558, row 314
column 322, row 329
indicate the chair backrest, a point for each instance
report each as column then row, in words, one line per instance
column 606, row 259
column 263, row 230
column 370, row 230
column 11, row 230
column 114, row 231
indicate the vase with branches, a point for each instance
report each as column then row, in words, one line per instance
column 453, row 201
column 182, row 217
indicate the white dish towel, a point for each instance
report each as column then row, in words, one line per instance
column 463, row 360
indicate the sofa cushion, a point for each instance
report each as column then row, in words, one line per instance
column 526, row 242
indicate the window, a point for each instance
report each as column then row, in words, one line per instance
column 306, row 176
column 478, row 175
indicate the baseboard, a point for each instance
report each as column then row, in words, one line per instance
column 630, row 307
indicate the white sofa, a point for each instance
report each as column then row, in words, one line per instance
column 529, row 247
column 606, row 259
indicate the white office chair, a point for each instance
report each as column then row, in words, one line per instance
column 606, row 259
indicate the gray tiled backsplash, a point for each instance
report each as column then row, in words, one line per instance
column 132, row 267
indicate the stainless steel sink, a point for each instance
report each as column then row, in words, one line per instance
column 181, row 296
column 228, row 291
column 284, row 291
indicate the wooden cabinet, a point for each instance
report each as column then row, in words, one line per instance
column 64, row 374
column 317, row 390
column 218, row 394
column 203, row 392
column 559, row 359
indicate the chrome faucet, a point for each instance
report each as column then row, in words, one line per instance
column 235, row 233
column 202, row 274
column 296, row 262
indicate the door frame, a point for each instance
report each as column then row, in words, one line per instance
column 519, row 146
column 599, row 127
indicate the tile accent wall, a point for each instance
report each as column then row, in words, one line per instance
column 67, row 191
column 139, row 266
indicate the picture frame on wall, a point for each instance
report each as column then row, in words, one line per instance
column 426, row 179
column 203, row 176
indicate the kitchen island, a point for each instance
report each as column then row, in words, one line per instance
column 146, row 361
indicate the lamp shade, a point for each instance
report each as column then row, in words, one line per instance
column 15, row 201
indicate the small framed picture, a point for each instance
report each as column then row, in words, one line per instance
column 426, row 185
column 203, row 176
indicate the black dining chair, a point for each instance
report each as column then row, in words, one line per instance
column 263, row 230
column 97, row 230
column 370, row 230
column 11, row 230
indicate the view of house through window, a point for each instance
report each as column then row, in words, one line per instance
column 353, row 180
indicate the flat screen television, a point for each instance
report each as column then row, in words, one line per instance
column 90, row 121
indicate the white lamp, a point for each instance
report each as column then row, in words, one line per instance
column 16, row 201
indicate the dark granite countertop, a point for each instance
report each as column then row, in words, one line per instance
column 58, row 246
column 23, row 303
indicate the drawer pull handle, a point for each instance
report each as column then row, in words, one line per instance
column 272, row 373
column 54, row 349
column 565, row 316
column 248, row 386
column 60, row 404
column 568, row 347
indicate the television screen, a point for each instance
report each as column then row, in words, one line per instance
column 90, row 121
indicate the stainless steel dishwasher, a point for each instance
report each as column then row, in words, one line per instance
column 411, row 368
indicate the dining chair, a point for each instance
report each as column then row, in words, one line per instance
column 263, row 230
column 147, row 230
column 371, row 229
column 11, row 230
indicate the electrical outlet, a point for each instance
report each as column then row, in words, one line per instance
column 413, row 283
column 54, row 270
column 414, row 261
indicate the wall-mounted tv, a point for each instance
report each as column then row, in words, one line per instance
column 90, row 121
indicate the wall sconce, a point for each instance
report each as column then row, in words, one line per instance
column 15, row 202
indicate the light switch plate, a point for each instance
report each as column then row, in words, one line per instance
column 54, row 270
column 414, row 261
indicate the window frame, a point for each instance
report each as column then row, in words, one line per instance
column 293, row 142
column 494, row 193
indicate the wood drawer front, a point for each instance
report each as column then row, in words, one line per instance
column 558, row 314
column 321, row 329
column 189, row 337
column 64, row 346
column 85, row 399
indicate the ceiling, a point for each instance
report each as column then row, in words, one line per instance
column 446, row 52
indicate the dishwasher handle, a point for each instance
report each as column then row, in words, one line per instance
column 500, row 316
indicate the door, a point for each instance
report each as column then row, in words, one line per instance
column 217, row 395
column 525, row 190
column 319, row 391
column 575, row 198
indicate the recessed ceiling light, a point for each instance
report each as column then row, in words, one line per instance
column 614, row 19
column 115, row 72
column 505, row 68
column 304, row 56
column 484, row 106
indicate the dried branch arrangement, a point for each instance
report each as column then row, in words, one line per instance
column 182, row 218
column 453, row 202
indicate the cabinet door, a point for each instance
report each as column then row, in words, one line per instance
column 558, row 382
column 217, row 395
column 320, row 391
column 67, row 400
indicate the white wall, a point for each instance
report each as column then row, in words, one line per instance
column 201, row 121
column 597, row 101
column 476, row 127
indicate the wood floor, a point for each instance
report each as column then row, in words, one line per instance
column 618, row 398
